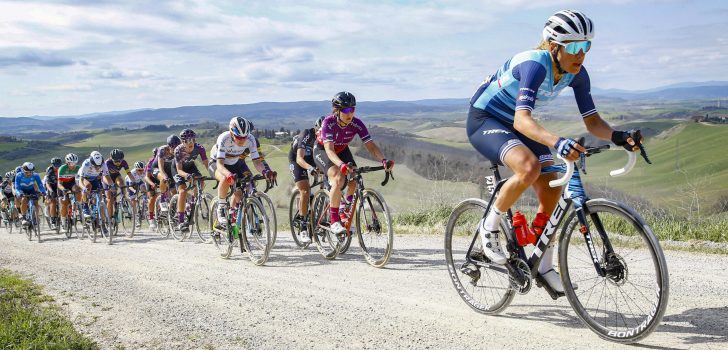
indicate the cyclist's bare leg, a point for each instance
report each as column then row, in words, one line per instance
column 526, row 171
column 24, row 206
column 304, row 188
column 182, row 189
column 547, row 196
column 336, row 178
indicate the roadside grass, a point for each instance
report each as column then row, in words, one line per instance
column 30, row 320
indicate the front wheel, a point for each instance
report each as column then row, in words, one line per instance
column 223, row 238
column 127, row 217
column 172, row 219
column 374, row 228
column 256, row 230
column 203, row 218
column 296, row 227
column 326, row 242
column 36, row 225
column 270, row 210
column 627, row 302
column 484, row 286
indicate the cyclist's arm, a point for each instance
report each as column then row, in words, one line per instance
column 39, row 183
column 598, row 127
column 525, row 124
column 180, row 170
column 300, row 153
column 259, row 165
column 331, row 153
column 374, row 150
column 221, row 167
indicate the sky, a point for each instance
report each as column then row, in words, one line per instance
column 74, row 57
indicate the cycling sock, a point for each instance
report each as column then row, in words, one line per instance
column 181, row 217
column 334, row 214
column 349, row 198
column 547, row 260
column 492, row 221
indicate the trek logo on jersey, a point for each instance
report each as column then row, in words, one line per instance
column 495, row 131
column 524, row 98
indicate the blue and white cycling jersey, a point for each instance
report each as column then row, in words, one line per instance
column 91, row 172
column 25, row 184
column 523, row 80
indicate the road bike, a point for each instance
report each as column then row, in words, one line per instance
column 373, row 221
column 99, row 220
column 11, row 216
column 248, row 227
column 197, row 211
column 73, row 215
column 610, row 262
column 31, row 216
column 303, row 223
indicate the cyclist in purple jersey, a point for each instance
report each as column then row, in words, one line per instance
column 333, row 156
column 115, row 164
column 501, row 127
column 159, row 171
column 184, row 168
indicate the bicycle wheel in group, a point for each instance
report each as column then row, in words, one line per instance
column 223, row 239
column 293, row 209
column 326, row 242
column 487, row 289
column 374, row 228
column 104, row 224
column 172, row 220
column 127, row 217
column 14, row 220
column 160, row 216
column 270, row 210
column 627, row 303
column 203, row 219
column 256, row 230
column 36, row 226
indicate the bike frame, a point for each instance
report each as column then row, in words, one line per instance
column 572, row 193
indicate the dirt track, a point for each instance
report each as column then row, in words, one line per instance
column 149, row 292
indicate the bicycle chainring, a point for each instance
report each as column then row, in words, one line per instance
column 519, row 274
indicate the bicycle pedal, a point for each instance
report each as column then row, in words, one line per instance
column 541, row 283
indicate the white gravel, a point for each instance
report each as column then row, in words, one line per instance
column 154, row 293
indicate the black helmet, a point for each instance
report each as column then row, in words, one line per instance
column 117, row 155
column 343, row 100
column 56, row 162
column 319, row 121
column 173, row 141
column 187, row 134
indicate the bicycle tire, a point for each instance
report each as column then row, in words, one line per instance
column 126, row 217
column 223, row 239
column 161, row 219
column 625, row 227
column 326, row 242
column 377, row 246
column 270, row 212
column 172, row 220
column 293, row 209
column 256, row 232
column 36, row 226
column 105, row 223
column 492, row 292
column 14, row 219
column 202, row 218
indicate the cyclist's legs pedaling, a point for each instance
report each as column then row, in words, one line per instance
column 240, row 169
column 337, row 214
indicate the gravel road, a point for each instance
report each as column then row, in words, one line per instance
column 154, row 293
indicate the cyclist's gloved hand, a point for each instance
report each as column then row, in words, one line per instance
column 388, row 164
column 345, row 168
column 564, row 146
column 623, row 138
column 313, row 171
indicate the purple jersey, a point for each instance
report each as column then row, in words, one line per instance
column 165, row 154
column 341, row 136
column 183, row 157
column 113, row 169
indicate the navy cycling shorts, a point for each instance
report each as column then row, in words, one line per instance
column 494, row 138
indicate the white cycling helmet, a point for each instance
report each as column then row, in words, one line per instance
column 240, row 126
column 139, row 165
column 568, row 25
column 28, row 166
column 96, row 158
column 71, row 158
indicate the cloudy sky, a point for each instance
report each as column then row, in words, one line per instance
column 73, row 57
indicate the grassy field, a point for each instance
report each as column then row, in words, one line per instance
column 30, row 320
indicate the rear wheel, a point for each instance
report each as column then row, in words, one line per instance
column 36, row 225
column 628, row 302
column 485, row 287
column 293, row 210
column 160, row 216
column 223, row 238
column 270, row 210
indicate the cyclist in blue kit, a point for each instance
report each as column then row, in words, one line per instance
column 501, row 127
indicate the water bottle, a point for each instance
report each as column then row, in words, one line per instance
column 539, row 225
column 236, row 231
column 520, row 227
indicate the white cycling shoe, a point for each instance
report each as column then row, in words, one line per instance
column 491, row 246
column 303, row 237
column 337, row 228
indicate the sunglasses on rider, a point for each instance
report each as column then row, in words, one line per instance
column 348, row 110
column 239, row 138
column 574, row 47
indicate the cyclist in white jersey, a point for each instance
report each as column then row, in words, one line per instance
column 90, row 176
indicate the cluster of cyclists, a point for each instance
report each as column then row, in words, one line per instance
column 321, row 150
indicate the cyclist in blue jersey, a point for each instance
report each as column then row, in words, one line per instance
column 28, row 183
column 501, row 127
